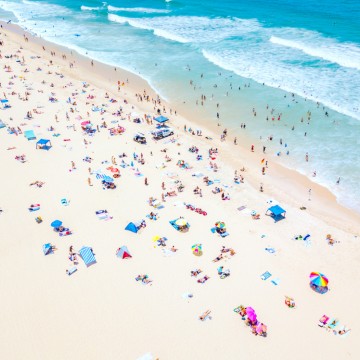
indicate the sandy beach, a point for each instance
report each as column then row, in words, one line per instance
column 102, row 311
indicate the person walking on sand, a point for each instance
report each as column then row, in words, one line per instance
column 235, row 141
column 146, row 181
column 89, row 182
column 73, row 165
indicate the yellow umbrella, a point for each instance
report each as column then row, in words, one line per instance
column 156, row 238
column 181, row 222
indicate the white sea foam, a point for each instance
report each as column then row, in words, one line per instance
column 311, row 83
column 347, row 55
column 89, row 8
column 143, row 25
column 139, row 10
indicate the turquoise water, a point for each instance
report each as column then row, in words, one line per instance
column 308, row 48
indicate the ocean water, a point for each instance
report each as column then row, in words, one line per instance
column 290, row 56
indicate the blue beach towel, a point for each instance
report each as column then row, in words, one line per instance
column 87, row 255
column 265, row 275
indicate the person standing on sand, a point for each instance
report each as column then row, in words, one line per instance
column 235, row 141
column 146, row 181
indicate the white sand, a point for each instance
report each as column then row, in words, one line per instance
column 101, row 312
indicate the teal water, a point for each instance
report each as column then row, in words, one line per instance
column 310, row 49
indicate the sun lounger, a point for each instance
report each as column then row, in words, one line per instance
column 276, row 281
column 265, row 275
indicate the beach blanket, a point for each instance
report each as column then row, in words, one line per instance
column 265, row 275
column 87, row 255
column 103, row 215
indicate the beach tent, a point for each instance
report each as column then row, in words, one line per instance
column 43, row 144
column 2, row 125
column 87, row 255
column 47, row 249
column 276, row 212
column 161, row 119
column 29, row 134
column 123, row 253
column 132, row 227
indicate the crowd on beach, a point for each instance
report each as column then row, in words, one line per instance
column 189, row 164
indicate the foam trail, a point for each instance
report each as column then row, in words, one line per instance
column 139, row 10
column 346, row 55
column 143, row 25
column 89, row 8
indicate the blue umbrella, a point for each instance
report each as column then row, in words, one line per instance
column 56, row 223
column 4, row 100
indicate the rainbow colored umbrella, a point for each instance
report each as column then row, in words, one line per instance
column 197, row 249
column 220, row 225
column 318, row 279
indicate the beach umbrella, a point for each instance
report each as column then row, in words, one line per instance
column 197, row 249
column 56, row 223
column 318, row 279
column 156, row 238
column 85, row 123
column 4, row 101
column 250, row 312
column 220, row 225
column 181, row 222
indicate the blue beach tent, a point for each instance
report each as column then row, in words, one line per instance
column 161, row 119
column 86, row 253
column 132, row 227
column 29, row 134
column 43, row 144
column 47, row 249
column 276, row 212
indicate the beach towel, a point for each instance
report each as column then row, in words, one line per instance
column 29, row 134
column 87, row 255
column 275, row 281
column 71, row 270
column 243, row 207
column 265, row 275
column 270, row 250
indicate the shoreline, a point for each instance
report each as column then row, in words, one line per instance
column 323, row 202
column 104, row 301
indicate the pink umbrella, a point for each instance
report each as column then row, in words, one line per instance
column 250, row 312
column 259, row 328
column 85, row 123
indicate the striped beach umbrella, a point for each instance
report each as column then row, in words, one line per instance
column 318, row 279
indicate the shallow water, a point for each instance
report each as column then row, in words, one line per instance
column 310, row 49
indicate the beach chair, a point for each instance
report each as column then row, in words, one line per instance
column 265, row 275
column 225, row 234
column 71, row 270
column 64, row 202
column 276, row 281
